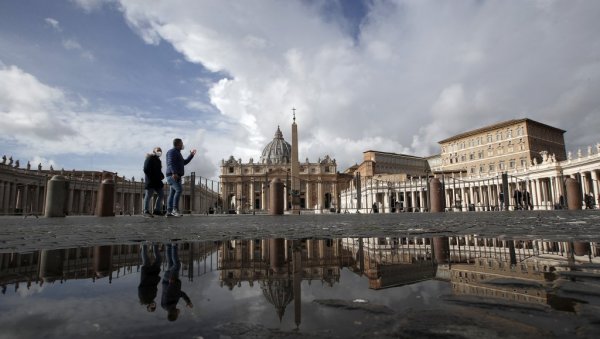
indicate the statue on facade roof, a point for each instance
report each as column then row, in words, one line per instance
column 4, row 159
column 10, row 161
column 569, row 155
column 28, row 165
column 589, row 151
column 534, row 161
column 579, row 153
column 51, row 168
column 17, row 164
column 40, row 166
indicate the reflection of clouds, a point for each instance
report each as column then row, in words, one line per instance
column 24, row 292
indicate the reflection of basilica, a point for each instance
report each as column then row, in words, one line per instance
column 280, row 265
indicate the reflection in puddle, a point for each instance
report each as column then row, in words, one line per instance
column 320, row 287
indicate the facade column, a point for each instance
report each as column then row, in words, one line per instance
column 263, row 196
column 308, row 199
column 320, row 195
column 422, row 201
column 252, row 196
column 286, row 191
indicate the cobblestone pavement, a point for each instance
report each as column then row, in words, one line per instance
column 25, row 234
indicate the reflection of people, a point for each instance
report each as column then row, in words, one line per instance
column 149, row 277
column 175, row 171
column 171, row 285
column 153, row 182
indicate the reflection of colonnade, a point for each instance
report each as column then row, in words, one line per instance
column 96, row 262
column 543, row 182
column 23, row 191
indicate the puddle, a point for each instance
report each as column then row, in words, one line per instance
column 463, row 286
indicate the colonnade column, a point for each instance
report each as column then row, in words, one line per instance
column 538, row 194
column 595, row 188
column 2, row 200
column 308, row 199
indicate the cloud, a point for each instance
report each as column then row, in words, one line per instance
column 57, row 123
column 90, row 5
column 73, row 45
column 54, row 24
column 416, row 72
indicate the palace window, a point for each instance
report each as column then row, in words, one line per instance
column 463, row 158
column 230, row 170
column 501, row 165
column 509, row 133
column 492, row 167
column 498, row 136
column 511, row 163
column 481, row 169
column 472, row 156
column 472, row 170
column 523, row 162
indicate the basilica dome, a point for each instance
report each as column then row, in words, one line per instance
column 277, row 151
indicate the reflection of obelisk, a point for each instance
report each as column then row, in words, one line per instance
column 295, row 169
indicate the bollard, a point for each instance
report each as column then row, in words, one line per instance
column 52, row 264
column 102, row 260
column 56, row 197
column 106, row 199
column 436, row 196
column 276, row 197
column 581, row 248
column 441, row 249
column 574, row 198
column 276, row 253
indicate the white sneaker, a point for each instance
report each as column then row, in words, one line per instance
column 176, row 213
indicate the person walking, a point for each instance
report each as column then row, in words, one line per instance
column 175, row 171
column 153, row 182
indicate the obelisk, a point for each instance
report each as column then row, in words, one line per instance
column 295, row 168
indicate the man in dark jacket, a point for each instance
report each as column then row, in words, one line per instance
column 153, row 182
column 171, row 285
column 149, row 277
column 175, row 171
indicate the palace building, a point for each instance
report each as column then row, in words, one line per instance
column 316, row 186
column 508, row 145
column 526, row 157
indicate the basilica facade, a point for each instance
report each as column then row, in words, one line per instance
column 245, row 185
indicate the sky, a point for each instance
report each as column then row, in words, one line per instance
column 95, row 85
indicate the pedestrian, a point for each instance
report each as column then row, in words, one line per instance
column 175, row 171
column 153, row 182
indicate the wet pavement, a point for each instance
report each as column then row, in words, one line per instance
column 453, row 275
column 17, row 233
